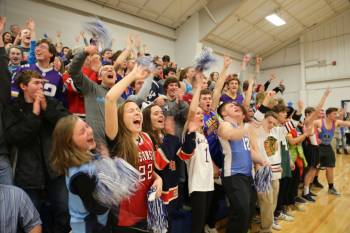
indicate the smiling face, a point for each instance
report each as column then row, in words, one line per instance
column 172, row 90
column 108, row 76
column 83, row 136
column 42, row 52
column 157, row 118
column 205, row 102
column 233, row 86
column 7, row 38
column 132, row 117
column 25, row 37
column 15, row 56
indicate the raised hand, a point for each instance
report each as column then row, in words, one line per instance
column 272, row 77
column 137, row 41
column 129, row 42
column 197, row 80
column 246, row 59
column 258, row 60
column 268, row 98
column 300, row 105
column 31, row 24
column 227, row 61
column 140, row 72
column 91, row 49
column 58, row 34
column 36, row 104
column 2, row 24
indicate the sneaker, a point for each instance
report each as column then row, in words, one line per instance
column 298, row 207
column 317, row 184
column 285, row 217
column 312, row 194
column 308, row 198
column 276, row 226
column 207, row 229
column 288, row 211
column 300, row 200
column 333, row 191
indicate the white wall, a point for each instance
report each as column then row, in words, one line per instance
column 329, row 41
column 49, row 19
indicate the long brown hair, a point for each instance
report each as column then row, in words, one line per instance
column 125, row 146
column 183, row 73
column 147, row 125
column 65, row 153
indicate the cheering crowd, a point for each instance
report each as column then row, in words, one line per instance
column 190, row 139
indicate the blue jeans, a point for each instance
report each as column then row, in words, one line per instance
column 5, row 171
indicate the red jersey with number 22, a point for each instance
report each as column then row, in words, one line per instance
column 134, row 209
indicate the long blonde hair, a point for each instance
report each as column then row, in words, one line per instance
column 125, row 146
column 65, row 153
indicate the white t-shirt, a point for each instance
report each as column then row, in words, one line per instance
column 200, row 167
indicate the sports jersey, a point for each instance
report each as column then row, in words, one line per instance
column 75, row 98
column 167, row 158
column 52, row 88
column 200, row 167
column 227, row 99
column 134, row 209
column 211, row 125
column 128, row 92
column 326, row 135
column 269, row 145
column 237, row 158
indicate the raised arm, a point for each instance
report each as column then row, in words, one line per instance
column 111, row 110
column 248, row 93
column 220, row 83
column 228, row 132
column 126, row 52
column 31, row 27
column 5, row 75
column 313, row 116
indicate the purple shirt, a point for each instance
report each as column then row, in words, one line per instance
column 52, row 88
column 227, row 99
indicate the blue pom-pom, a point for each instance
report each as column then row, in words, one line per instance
column 96, row 27
column 146, row 62
column 204, row 60
column 157, row 216
column 263, row 179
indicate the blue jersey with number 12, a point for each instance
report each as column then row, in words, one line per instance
column 237, row 157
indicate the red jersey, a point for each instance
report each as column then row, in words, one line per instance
column 134, row 209
column 76, row 99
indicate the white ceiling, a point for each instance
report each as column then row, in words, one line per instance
column 245, row 28
column 171, row 13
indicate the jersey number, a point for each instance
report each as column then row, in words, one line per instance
column 146, row 174
column 50, row 89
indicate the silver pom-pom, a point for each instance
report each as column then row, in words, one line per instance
column 96, row 27
column 146, row 62
column 205, row 59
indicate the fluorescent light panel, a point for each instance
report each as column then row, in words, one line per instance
column 275, row 20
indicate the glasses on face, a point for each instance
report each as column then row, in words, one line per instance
column 43, row 46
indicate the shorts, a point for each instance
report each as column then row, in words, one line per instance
column 312, row 155
column 327, row 156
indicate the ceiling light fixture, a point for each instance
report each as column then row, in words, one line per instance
column 275, row 20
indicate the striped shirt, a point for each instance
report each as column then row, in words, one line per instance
column 16, row 210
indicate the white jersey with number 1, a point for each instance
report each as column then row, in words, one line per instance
column 200, row 167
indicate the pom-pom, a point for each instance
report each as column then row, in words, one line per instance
column 95, row 27
column 116, row 180
column 205, row 59
column 263, row 179
column 146, row 62
column 156, row 217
